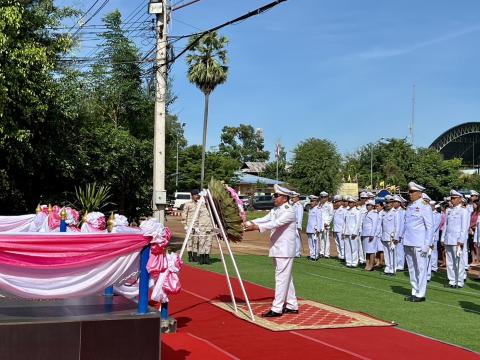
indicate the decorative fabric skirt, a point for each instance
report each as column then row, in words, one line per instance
column 378, row 241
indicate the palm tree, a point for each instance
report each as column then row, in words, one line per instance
column 207, row 68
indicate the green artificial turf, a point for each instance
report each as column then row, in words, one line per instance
column 448, row 314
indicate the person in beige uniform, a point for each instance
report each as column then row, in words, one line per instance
column 281, row 222
column 200, row 240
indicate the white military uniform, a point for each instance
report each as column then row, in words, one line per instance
column 281, row 222
column 369, row 226
column 390, row 231
column 351, row 230
column 361, row 252
column 399, row 249
column 314, row 224
column 417, row 238
column 326, row 210
column 298, row 207
column 456, row 232
column 338, row 222
column 433, row 262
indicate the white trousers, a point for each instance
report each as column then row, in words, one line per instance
column 465, row 258
column 434, row 260
column 417, row 268
column 389, row 257
column 361, row 253
column 313, row 245
column 340, row 244
column 452, row 263
column 325, row 242
column 298, row 243
column 284, row 289
column 351, row 250
column 400, row 255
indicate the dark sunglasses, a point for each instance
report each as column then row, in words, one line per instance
column 276, row 195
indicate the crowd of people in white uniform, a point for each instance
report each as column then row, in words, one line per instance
column 394, row 232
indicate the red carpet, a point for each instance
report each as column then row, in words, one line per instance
column 208, row 332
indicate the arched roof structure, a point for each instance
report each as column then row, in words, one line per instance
column 461, row 141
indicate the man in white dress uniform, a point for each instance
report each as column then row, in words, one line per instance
column 455, row 237
column 326, row 208
column 417, row 240
column 281, row 222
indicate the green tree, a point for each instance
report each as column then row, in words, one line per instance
column 32, row 115
column 242, row 143
column 207, row 69
column 315, row 166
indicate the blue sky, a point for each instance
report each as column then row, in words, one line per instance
column 337, row 69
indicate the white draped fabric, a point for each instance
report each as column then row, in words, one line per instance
column 67, row 283
column 20, row 223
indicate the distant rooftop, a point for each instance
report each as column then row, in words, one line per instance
column 249, row 179
column 253, row 167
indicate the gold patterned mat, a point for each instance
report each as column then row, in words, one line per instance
column 312, row 315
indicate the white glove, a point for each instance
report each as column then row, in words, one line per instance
column 459, row 251
column 424, row 250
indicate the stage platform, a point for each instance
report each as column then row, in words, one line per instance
column 89, row 328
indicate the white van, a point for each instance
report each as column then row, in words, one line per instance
column 181, row 198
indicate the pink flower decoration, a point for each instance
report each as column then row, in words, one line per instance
column 239, row 202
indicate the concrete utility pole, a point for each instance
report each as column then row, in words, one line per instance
column 161, row 10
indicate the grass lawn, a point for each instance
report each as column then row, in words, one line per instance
column 449, row 315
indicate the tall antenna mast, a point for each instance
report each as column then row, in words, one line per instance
column 412, row 123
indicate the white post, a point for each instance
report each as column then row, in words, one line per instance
column 225, row 238
column 190, row 227
column 159, row 194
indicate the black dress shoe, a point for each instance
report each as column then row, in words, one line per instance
column 271, row 313
column 417, row 299
column 289, row 311
column 409, row 297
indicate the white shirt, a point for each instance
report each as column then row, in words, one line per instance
column 401, row 220
column 298, row 214
column 437, row 219
column 456, row 226
column 327, row 213
column 339, row 219
column 315, row 221
column 352, row 222
column 418, row 230
column 281, row 221
column 369, row 224
column 390, row 225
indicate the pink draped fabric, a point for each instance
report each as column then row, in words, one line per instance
column 53, row 250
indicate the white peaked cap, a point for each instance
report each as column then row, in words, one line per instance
column 323, row 194
column 388, row 198
column 281, row 190
column 351, row 199
column 370, row 202
column 345, row 197
column 455, row 193
column 370, row 194
column 473, row 192
column 313, row 197
column 426, row 197
column 397, row 198
column 403, row 199
column 363, row 194
column 337, row 198
column 415, row 187
column 294, row 193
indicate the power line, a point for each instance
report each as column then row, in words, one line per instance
column 105, row 2
column 255, row 12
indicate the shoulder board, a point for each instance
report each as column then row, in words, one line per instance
column 286, row 206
